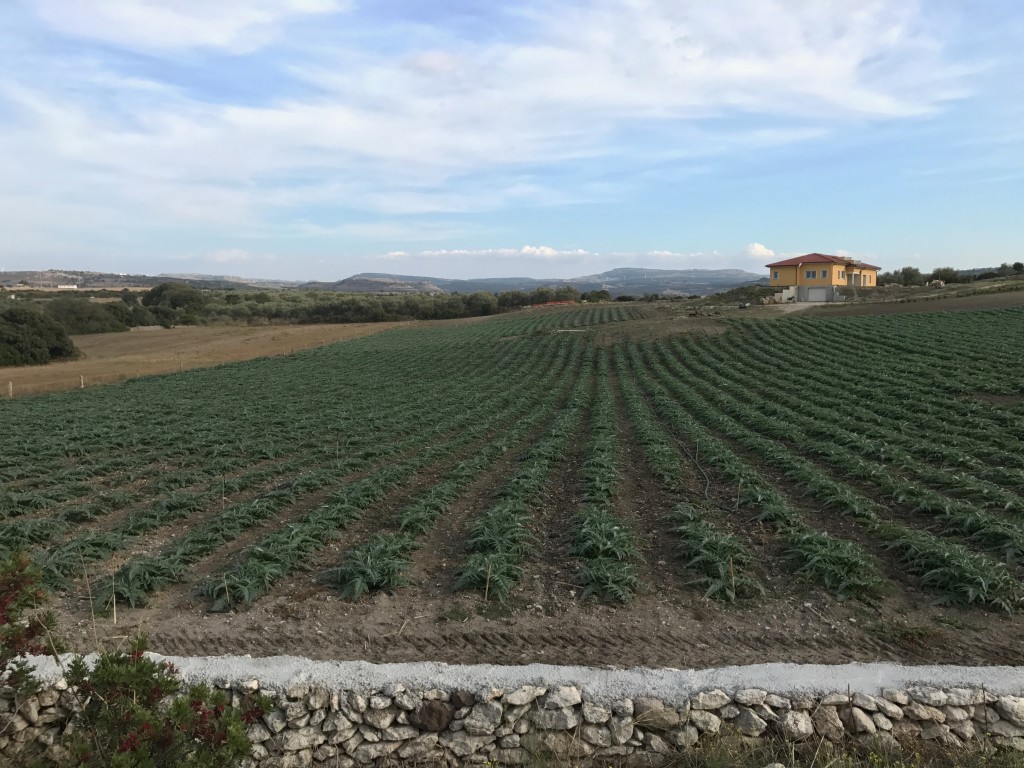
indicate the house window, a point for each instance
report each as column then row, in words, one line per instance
column 775, row 275
column 867, row 278
column 842, row 274
column 824, row 274
column 810, row 274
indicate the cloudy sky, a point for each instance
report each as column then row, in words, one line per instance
column 457, row 138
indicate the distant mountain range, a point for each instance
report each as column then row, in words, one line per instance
column 619, row 282
column 634, row 281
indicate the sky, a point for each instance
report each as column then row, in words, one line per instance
column 315, row 139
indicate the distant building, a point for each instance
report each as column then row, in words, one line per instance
column 67, row 287
column 818, row 276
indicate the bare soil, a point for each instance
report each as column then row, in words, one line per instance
column 112, row 357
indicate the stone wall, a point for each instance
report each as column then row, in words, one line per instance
column 322, row 723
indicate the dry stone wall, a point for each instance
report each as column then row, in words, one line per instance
column 370, row 720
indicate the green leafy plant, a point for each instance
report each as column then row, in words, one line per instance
column 136, row 712
column 24, row 631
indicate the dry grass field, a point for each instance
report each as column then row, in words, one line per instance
column 112, row 357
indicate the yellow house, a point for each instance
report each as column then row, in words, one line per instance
column 818, row 276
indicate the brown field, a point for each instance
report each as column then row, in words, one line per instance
column 112, row 357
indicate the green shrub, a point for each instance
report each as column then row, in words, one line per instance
column 135, row 712
column 28, row 337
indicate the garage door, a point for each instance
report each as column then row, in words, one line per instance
column 817, row 294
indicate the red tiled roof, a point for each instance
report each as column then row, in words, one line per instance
column 821, row 258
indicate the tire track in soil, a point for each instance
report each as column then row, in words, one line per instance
column 578, row 642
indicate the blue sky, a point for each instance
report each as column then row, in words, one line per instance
column 313, row 139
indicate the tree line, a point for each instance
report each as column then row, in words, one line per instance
column 914, row 276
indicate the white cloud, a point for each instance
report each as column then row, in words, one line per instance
column 759, row 251
column 165, row 25
column 408, row 129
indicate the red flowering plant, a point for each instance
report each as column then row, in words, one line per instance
column 24, row 630
column 136, row 713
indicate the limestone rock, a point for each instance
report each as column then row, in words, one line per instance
column 304, row 738
column 965, row 697
column 419, row 746
column 856, row 720
column 462, row 699
column 881, row 722
column 748, row 723
column 890, row 710
column 955, row 715
column 621, row 727
column 485, row 717
column 622, row 707
column 592, row 713
column 906, row 730
column 463, row 744
column 357, row 702
column 984, row 714
column 379, row 718
column 1010, row 708
column 399, row 733
column 750, row 697
column 509, row 742
column 335, row 721
column 257, row 733
column 563, row 696
column 511, row 756
column 324, row 753
column 803, row 701
column 778, row 702
column 729, row 711
column 965, row 731
column 941, row 733
column 686, row 736
column 555, row 719
column 714, row 699
column 865, row 702
column 652, row 713
column 826, row 722
column 368, row 753
column 433, row 715
column 917, row 711
column 275, row 720
column 407, row 701
column 561, row 744
column 896, row 696
column 932, row 697
column 524, row 695
column 705, row 721
column 1005, row 728
column 297, row 691
column 654, row 743
column 836, row 700
column 795, row 725
column 597, row 735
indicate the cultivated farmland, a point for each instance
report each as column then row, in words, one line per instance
column 549, row 486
